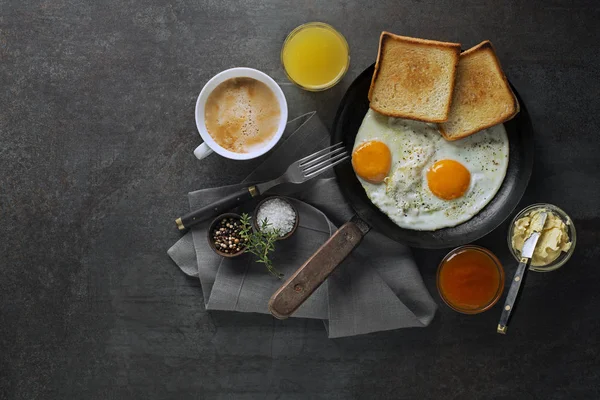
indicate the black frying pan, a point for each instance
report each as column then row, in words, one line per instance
column 349, row 117
column 351, row 112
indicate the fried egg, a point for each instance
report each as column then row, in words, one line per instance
column 420, row 180
column 372, row 161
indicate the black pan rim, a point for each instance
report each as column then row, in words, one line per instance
column 518, row 174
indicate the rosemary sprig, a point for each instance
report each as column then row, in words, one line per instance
column 260, row 243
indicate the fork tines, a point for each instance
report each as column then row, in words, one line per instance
column 323, row 160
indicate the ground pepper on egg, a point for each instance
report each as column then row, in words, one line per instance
column 431, row 183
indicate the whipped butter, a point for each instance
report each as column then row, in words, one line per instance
column 553, row 240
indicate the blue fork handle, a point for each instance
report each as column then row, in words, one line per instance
column 513, row 296
column 218, row 207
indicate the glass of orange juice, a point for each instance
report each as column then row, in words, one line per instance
column 315, row 56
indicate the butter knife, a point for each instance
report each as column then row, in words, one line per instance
column 526, row 254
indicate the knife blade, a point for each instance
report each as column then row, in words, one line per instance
column 512, row 298
column 537, row 226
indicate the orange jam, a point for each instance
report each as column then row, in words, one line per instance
column 470, row 279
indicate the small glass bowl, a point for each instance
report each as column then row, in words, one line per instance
column 564, row 256
column 330, row 28
column 499, row 290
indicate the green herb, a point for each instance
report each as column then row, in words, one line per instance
column 260, row 242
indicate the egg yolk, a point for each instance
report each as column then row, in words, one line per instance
column 372, row 161
column 448, row 179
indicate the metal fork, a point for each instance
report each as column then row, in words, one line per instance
column 297, row 173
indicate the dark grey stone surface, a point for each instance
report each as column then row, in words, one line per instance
column 96, row 140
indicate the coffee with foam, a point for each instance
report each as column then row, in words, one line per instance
column 242, row 114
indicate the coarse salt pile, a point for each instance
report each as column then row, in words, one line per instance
column 279, row 214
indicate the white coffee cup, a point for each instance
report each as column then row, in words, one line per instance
column 209, row 144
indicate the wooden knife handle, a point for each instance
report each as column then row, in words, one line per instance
column 313, row 273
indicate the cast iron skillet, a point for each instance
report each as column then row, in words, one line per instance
column 349, row 117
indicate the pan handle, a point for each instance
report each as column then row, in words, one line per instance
column 286, row 300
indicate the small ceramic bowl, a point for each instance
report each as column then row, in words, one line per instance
column 564, row 256
column 255, row 215
column 211, row 241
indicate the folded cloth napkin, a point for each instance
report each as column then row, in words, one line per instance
column 378, row 287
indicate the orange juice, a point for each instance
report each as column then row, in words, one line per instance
column 315, row 56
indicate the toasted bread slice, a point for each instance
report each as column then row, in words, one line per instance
column 414, row 78
column 482, row 97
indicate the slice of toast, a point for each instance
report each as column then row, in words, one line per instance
column 482, row 96
column 414, row 78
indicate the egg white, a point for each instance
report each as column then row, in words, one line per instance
column 415, row 146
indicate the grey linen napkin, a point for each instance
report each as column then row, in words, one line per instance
column 378, row 287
